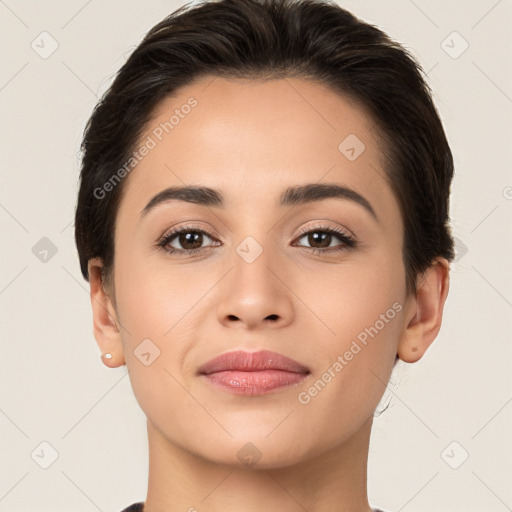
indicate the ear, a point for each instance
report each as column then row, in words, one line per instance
column 106, row 324
column 424, row 312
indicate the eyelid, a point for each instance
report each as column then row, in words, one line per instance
column 190, row 226
column 325, row 227
column 207, row 231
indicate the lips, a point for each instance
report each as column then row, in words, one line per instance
column 251, row 362
column 252, row 373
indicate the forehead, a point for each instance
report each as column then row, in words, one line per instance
column 252, row 136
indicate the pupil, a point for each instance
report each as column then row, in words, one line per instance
column 315, row 236
column 191, row 237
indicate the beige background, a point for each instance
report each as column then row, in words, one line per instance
column 54, row 388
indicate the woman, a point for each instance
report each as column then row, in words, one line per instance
column 263, row 220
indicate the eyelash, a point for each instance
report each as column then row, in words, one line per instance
column 349, row 242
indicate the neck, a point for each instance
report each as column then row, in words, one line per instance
column 333, row 481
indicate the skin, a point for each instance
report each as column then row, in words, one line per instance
column 252, row 140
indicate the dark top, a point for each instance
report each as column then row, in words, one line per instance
column 137, row 507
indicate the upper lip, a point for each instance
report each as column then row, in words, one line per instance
column 251, row 362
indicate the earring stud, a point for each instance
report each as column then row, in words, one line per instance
column 107, row 355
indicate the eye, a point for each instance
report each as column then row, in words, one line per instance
column 190, row 238
column 323, row 236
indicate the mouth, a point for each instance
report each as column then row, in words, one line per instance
column 253, row 373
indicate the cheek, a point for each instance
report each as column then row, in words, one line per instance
column 154, row 308
column 142, row 286
column 149, row 303
column 153, row 301
column 354, row 295
column 164, row 302
column 363, row 306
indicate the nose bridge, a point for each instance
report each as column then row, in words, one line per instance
column 253, row 262
column 255, row 247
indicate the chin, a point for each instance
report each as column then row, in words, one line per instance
column 254, row 452
column 253, row 457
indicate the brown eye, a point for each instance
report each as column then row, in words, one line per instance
column 186, row 240
column 320, row 239
column 190, row 239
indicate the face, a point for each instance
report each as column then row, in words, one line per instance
column 318, row 278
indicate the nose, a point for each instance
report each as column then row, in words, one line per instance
column 254, row 295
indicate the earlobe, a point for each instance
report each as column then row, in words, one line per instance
column 105, row 322
column 424, row 312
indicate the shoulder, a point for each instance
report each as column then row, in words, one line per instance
column 138, row 507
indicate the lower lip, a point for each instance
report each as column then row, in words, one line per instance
column 254, row 383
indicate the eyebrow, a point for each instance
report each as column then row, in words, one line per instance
column 301, row 194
